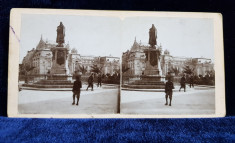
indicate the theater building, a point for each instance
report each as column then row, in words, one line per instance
column 133, row 61
column 41, row 59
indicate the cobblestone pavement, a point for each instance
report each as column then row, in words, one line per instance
column 191, row 102
column 99, row 101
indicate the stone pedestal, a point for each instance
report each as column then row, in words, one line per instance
column 59, row 69
column 152, row 62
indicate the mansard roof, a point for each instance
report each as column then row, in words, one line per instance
column 41, row 45
column 135, row 47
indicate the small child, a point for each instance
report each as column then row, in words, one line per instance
column 77, row 85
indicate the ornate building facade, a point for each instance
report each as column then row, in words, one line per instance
column 133, row 61
column 109, row 64
column 41, row 59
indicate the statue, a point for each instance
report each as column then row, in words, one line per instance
column 60, row 35
column 152, row 36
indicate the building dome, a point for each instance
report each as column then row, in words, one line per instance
column 166, row 52
column 74, row 51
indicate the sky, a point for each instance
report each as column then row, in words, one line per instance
column 104, row 36
column 97, row 36
column 188, row 37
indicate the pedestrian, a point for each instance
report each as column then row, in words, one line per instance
column 77, row 85
column 99, row 79
column 168, row 90
column 182, row 83
column 191, row 81
column 90, row 82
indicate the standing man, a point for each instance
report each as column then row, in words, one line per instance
column 191, row 81
column 77, row 85
column 90, row 82
column 168, row 90
column 99, row 79
column 182, row 83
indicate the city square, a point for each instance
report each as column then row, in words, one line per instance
column 200, row 100
column 100, row 101
column 52, row 76
column 152, row 79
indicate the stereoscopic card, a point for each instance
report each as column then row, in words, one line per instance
column 115, row 64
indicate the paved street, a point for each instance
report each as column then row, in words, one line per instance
column 190, row 102
column 99, row 101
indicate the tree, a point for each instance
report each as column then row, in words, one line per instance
column 192, row 63
column 190, row 66
column 21, row 69
column 117, row 70
column 82, row 69
column 174, row 70
column 211, row 74
column 188, row 70
column 25, row 69
column 96, row 69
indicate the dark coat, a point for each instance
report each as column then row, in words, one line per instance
column 169, row 86
column 182, row 81
column 99, row 78
column 77, row 85
column 90, row 80
column 191, row 79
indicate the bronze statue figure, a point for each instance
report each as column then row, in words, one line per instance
column 152, row 36
column 60, row 35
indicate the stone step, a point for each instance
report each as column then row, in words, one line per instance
column 54, row 83
column 148, row 83
column 47, row 86
column 144, row 86
column 54, row 80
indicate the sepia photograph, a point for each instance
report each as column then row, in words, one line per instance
column 168, row 66
column 67, row 65
column 115, row 64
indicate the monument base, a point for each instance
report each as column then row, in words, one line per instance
column 59, row 77
column 53, row 81
column 151, row 70
column 148, row 82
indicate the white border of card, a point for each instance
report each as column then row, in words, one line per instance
column 14, row 48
